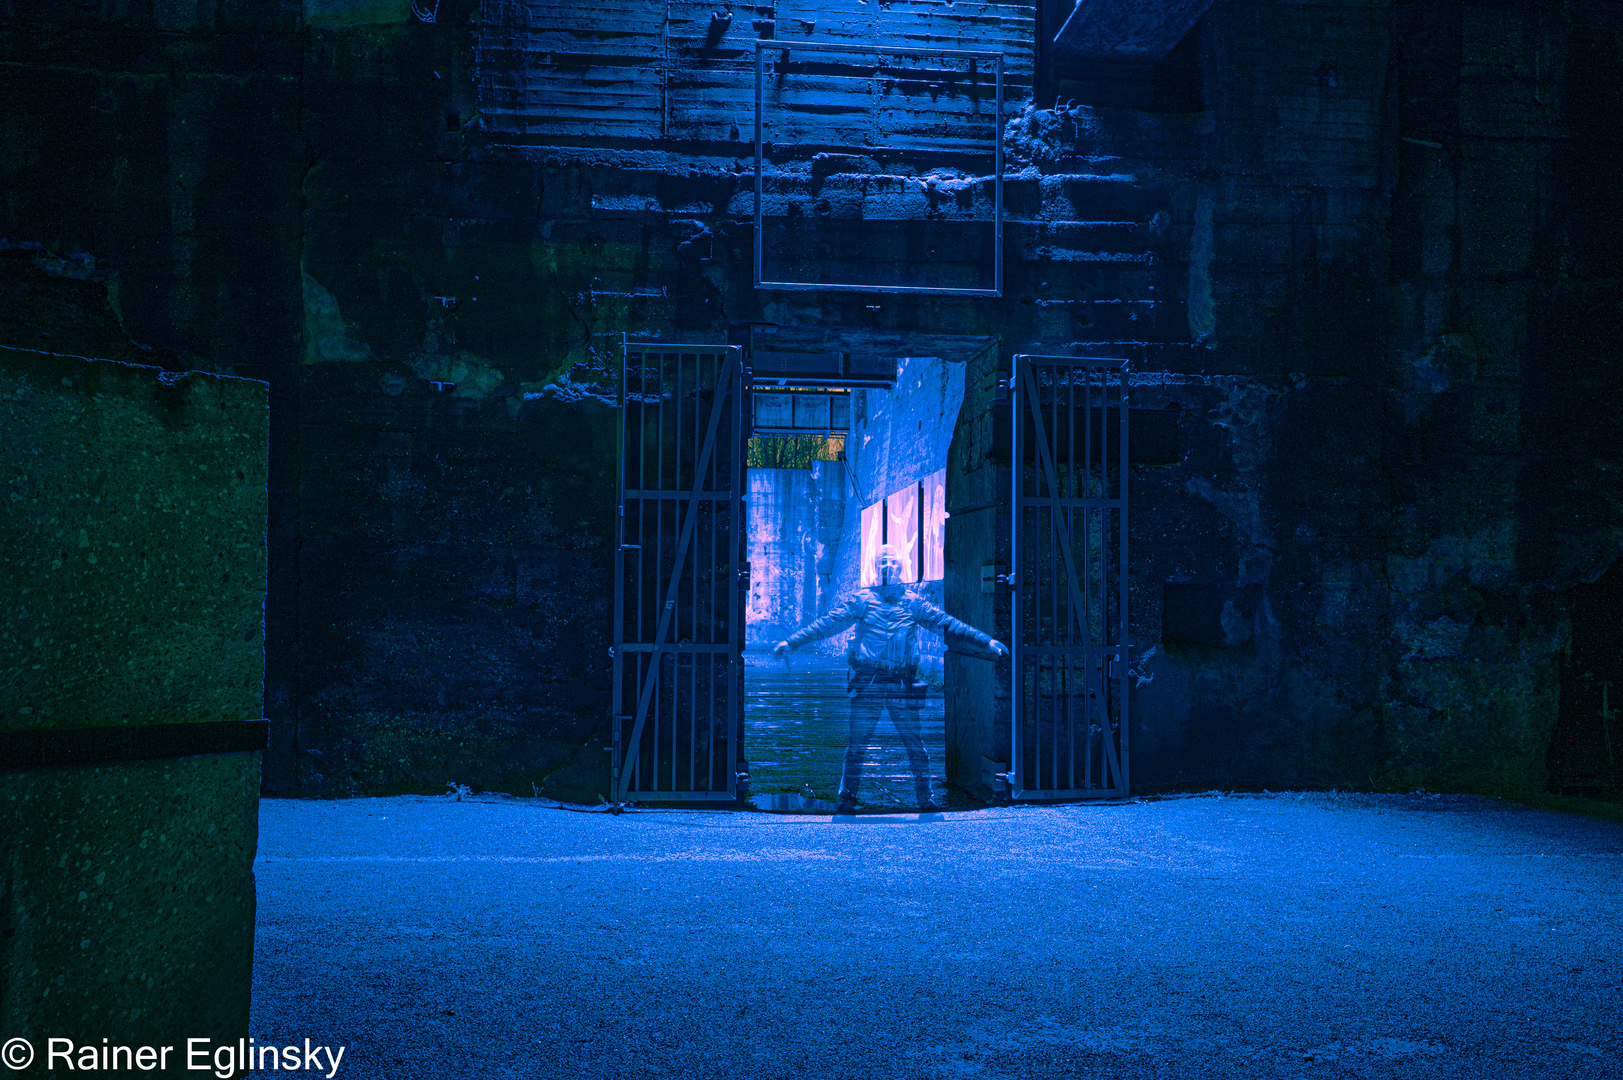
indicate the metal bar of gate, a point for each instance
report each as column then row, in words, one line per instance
column 619, row 628
column 1069, row 673
column 1121, row 569
column 738, row 553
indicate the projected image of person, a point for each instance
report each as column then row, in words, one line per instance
column 884, row 664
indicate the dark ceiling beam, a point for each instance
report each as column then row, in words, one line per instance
column 1133, row 30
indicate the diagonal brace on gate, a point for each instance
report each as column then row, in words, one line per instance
column 668, row 608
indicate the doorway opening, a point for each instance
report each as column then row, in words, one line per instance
column 850, row 468
column 834, row 473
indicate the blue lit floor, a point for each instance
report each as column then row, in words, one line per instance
column 1255, row 937
column 796, row 719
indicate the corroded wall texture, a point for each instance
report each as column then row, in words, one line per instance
column 129, row 901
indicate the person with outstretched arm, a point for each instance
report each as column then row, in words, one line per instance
column 884, row 664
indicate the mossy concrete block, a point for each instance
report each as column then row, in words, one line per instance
column 132, row 584
column 132, row 543
column 127, row 901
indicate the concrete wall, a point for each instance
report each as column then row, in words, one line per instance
column 1373, row 430
column 1367, row 247
column 795, row 518
column 132, row 584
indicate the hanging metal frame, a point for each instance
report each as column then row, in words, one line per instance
column 1069, row 578
column 678, row 561
column 784, row 48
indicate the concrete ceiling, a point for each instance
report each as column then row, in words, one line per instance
column 1136, row 30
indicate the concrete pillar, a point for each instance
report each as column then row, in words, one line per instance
column 977, row 535
column 132, row 585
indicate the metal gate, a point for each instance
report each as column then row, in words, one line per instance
column 1069, row 576
column 679, row 601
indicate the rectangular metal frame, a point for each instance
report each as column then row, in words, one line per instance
column 679, row 553
column 997, row 163
column 1068, row 690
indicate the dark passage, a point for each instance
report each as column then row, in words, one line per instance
column 1587, row 746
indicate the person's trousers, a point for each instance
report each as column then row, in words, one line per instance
column 870, row 697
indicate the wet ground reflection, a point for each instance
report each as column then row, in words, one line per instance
column 795, row 732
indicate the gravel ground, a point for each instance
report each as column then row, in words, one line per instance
column 1237, row 936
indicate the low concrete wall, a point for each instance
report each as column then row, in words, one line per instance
column 132, row 578
column 795, row 517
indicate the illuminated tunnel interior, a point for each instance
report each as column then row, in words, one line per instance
column 821, row 504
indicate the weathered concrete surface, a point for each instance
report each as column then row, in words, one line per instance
column 1267, row 936
column 468, row 546
column 132, row 562
column 128, row 903
column 1370, row 246
column 132, row 585
column 789, row 562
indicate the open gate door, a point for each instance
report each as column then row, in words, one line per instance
column 679, row 600
column 1069, row 576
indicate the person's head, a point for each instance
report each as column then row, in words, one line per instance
column 889, row 566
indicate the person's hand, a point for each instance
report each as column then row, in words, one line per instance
column 780, row 648
column 999, row 649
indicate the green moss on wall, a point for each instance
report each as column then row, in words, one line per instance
column 127, row 901
column 132, row 583
column 132, row 570
column 333, row 14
